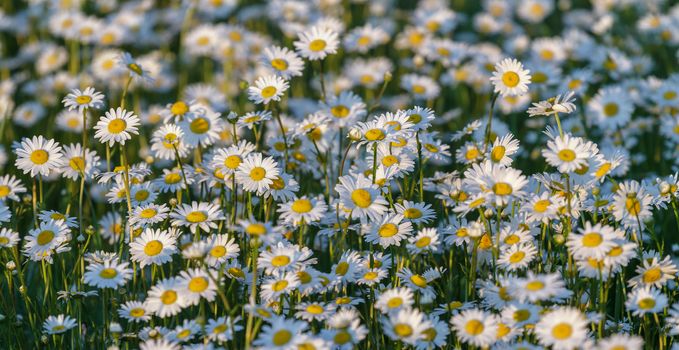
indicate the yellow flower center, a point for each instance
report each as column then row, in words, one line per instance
column 566, row 155
column 137, row 312
column 534, row 286
column 387, row 230
column 591, row 240
column 268, row 91
column 403, row 330
column 517, row 257
column 196, row 217
column 497, row 153
column 418, row 281
column 342, row 337
column 257, row 173
column 342, row 268
column 423, row 242
column 83, row 99
column 314, row 309
column 339, row 111
column 153, row 248
column 198, row 284
column 148, row 213
column 611, row 109
column 472, row 153
column 141, row 195
column 374, row 135
column 633, row 206
column 510, row 79
column 255, row 229
column 521, row 315
column 45, row 237
column 39, row 156
column 412, row 213
column 116, row 126
column 301, row 206
column 279, row 64
column 179, row 108
column 199, row 126
column 474, row 327
column 279, row 285
column 419, row 89
column 108, row 273
column 562, row 331
column 502, row 189
column 172, row 178
column 652, row 275
column 361, row 198
column 541, row 205
column 646, row 303
column 280, row 260
column 168, row 297
column 394, row 302
column 317, row 45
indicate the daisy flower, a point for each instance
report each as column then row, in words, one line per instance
column 221, row 250
column 510, row 79
column 645, row 300
column 166, row 298
column 109, row 274
column 302, row 210
column 197, row 216
column 38, row 156
column 593, row 241
column 81, row 100
column 475, row 327
column 10, row 188
column 58, row 324
column 256, row 174
column 134, row 68
column 389, row 230
column 222, row 329
column 8, row 238
column 407, row 326
column 134, row 311
column 280, row 334
column 360, row 196
column 153, row 247
column 559, row 104
column 49, row 237
column 316, row 43
column 116, row 126
column 562, row 328
column 201, row 128
column 282, row 61
column 311, row 311
column 568, row 153
column 74, row 164
column 426, row 240
column 267, row 89
column 502, row 150
column 197, row 284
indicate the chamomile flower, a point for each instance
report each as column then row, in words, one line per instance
column 646, row 300
column 475, row 327
column 316, row 43
column 389, row 230
column 38, row 156
column 562, row 328
column 166, row 298
column 517, row 256
column 81, row 100
column 510, row 78
column 280, row 334
column 153, row 247
column 134, row 311
column 311, row 311
column 360, row 196
column 426, row 240
column 58, row 324
column 8, row 238
column 10, row 188
column 302, row 210
column 502, row 150
column 593, row 241
column 197, row 215
column 109, row 274
column 407, row 326
column 256, row 173
column 197, row 284
column 568, row 153
column 266, row 89
column 201, row 128
column 116, row 126
column 221, row 250
column 282, row 61
column 559, row 104
column 393, row 300
column 48, row 238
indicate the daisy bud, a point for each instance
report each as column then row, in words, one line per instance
column 149, row 159
column 115, row 327
column 665, row 188
column 355, row 135
column 90, row 230
column 11, row 265
column 559, row 239
column 173, row 202
column 153, row 334
column 22, row 289
column 596, row 191
column 418, row 61
column 44, row 339
column 243, row 85
column 387, row 77
column 488, row 213
column 27, row 199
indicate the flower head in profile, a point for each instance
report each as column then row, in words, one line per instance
column 559, row 104
column 88, row 98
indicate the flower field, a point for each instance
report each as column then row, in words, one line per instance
column 326, row 174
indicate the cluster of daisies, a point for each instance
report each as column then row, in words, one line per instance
column 287, row 174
